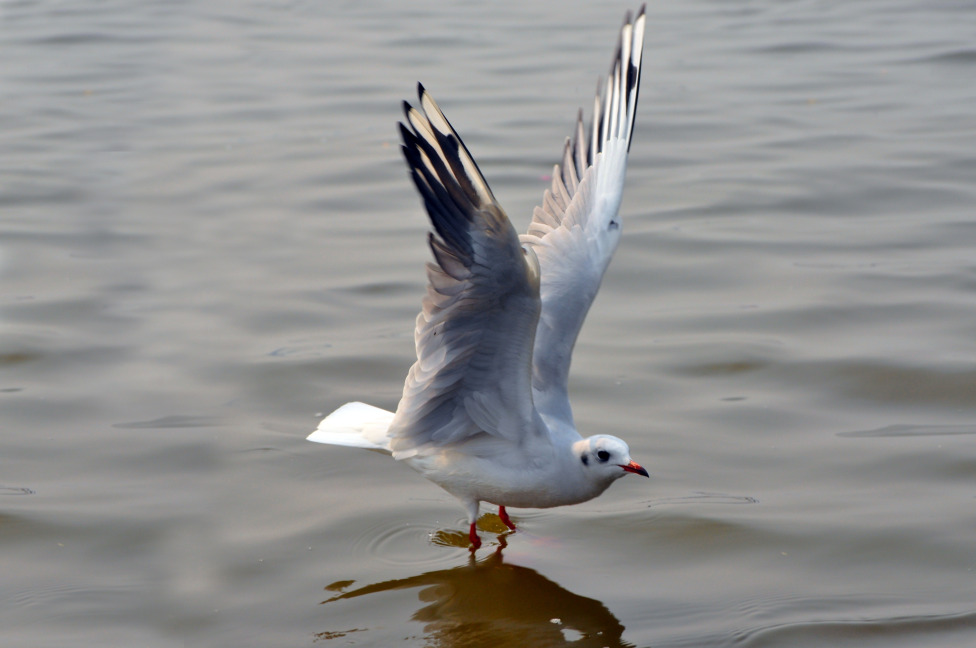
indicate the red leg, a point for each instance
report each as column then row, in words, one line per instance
column 473, row 536
column 503, row 514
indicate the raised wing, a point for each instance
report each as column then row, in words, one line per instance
column 576, row 230
column 475, row 334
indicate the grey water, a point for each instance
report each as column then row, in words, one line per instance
column 208, row 241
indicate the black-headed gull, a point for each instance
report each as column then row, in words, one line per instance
column 485, row 411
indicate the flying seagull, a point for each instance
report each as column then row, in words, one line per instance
column 485, row 410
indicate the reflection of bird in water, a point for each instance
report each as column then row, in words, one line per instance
column 485, row 411
column 492, row 603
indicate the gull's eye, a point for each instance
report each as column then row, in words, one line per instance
column 602, row 455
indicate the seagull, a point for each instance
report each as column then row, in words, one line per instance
column 485, row 411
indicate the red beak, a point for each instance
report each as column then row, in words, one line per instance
column 635, row 468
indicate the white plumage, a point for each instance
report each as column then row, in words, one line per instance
column 485, row 410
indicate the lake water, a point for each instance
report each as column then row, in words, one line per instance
column 208, row 240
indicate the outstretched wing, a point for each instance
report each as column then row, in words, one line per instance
column 576, row 230
column 475, row 333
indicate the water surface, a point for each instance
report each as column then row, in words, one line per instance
column 208, row 240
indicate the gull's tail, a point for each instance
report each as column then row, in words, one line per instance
column 357, row 425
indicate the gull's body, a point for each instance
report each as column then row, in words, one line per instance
column 485, row 410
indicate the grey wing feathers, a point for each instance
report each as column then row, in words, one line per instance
column 576, row 229
column 475, row 333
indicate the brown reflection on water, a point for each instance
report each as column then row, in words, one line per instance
column 494, row 603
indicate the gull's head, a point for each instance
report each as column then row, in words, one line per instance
column 606, row 458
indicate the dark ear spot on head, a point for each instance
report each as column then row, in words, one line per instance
column 602, row 455
column 585, row 458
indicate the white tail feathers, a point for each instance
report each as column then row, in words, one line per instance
column 357, row 425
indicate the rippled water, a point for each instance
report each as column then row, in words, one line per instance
column 208, row 240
